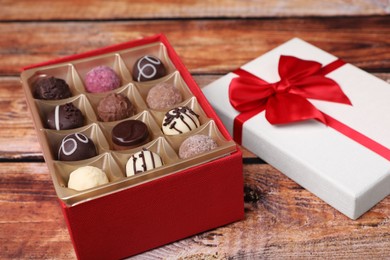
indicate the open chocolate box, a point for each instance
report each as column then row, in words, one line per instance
column 129, row 215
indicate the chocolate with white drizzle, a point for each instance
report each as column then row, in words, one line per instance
column 148, row 68
column 142, row 161
column 75, row 147
column 180, row 120
column 64, row 117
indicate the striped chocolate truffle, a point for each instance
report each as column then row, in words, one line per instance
column 142, row 161
column 180, row 120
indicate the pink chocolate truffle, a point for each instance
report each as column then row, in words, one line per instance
column 196, row 144
column 101, row 79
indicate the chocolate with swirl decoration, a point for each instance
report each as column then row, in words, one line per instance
column 142, row 161
column 148, row 68
column 75, row 147
column 180, row 120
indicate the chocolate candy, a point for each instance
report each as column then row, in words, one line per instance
column 163, row 96
column 129, row 134
column 101, row 79
column 180, row 120
column 142, row 161
column 64, row 117
column 75, row 147
column 51, row 88
column 86, row 177
column 195, row 145
column 148, row 68
column 115, row 107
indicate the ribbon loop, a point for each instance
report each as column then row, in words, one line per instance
column 286, row 100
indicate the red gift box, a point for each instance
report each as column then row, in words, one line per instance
column 158, row 211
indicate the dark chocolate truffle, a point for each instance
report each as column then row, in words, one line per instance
column 101, row 79
column 163, row 96
column 180, row 120
column 148, row 68
column 115, row 107
column 64, row 117
column 75, row 147
column 51, row 88
column 129, row 134
column 196, row 144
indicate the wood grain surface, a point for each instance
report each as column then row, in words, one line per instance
column 121, row 9
column 282, row 219
column 205, row 46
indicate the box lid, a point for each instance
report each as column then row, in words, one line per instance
column 339, row 170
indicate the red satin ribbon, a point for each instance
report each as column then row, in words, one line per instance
column 286, row 100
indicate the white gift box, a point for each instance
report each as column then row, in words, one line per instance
column 349, row 176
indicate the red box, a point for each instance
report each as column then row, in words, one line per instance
column 171, row 207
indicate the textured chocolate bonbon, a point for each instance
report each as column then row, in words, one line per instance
column 115, row 107
column 64, row 117
column 163, row 96
column 51, row 88
column 195, row 145
column 101, row 79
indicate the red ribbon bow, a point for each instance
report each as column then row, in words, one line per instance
column 286, row 101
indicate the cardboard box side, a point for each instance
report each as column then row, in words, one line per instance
column 372, row 195
column 159, row 212
column 301, row 172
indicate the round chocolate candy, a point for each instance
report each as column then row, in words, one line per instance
column 115, row 107
column 195, row 145
column 101, row 79
column 51, row 88
column 129, row 134
column 163, row 96
column 180, row 120
column 75, row 147
column 87, row 177
column 148, row 68
column 142, row 161
column 64, row 117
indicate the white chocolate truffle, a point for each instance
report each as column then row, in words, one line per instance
column 142, row 161
column 86, row 177
column 180, row 120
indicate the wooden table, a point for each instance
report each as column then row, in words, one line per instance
column 212, row 38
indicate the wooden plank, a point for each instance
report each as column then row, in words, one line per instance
column 205, row 46
column 282, row 220
column 31, row 221
column 122, row 9
column 17, row 134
